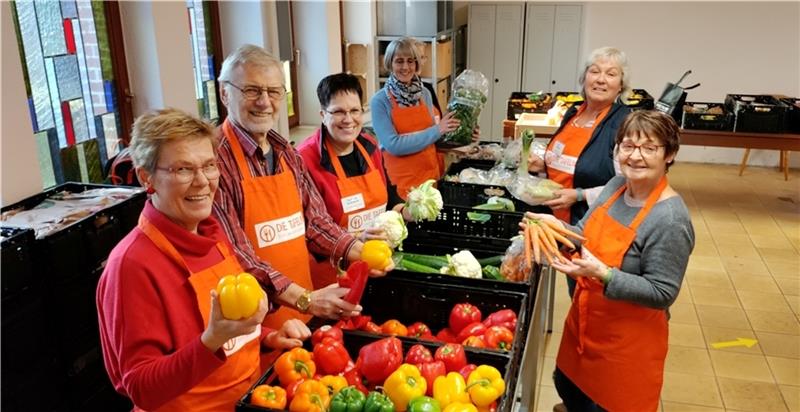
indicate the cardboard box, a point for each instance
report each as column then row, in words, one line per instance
column 536, row 122
column 444, row 60
column 443, row 93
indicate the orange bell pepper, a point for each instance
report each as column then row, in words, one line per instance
column 394, row 327
column 239, row 296
column 273, row 397
column 334, row 383
column 294, row 365
column 311, row 396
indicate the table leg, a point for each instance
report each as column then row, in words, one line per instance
column 744, row 161
column 785, row 155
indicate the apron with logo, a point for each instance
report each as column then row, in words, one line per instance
column 220, row 390
column 614, row 350
column 274, row 224
column 411, row 170
column 562, row 154
column 363, row 199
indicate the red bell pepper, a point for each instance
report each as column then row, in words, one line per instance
column 419, row 330
column 430, row 371
column 503, row 317
column 359, row 321
column 473, row 329
column 356, row 280
column 462, row 315
column 330, row 356
column 447, row 336
column 354, row 378
column 377, row 360
column 344, row 324
column 499, row 337
column 371, row 327
column 292, row 388
column 453, row 356
column 327, row 331
column 467, row 369
column 418, row 354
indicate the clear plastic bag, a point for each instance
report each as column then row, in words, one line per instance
column 514, row 147
column 513, row 267
column 470, row 93
column 533, row 190
column 496, row 176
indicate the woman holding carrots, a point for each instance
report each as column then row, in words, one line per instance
column 638, row 238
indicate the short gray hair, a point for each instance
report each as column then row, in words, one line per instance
column 610, row 53
column 403, row 45
column 249, row 54
column 155, row 128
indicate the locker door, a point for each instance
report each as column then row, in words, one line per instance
column 480, row 55
column 566, row 44
column 539, row 28
column 507, row 63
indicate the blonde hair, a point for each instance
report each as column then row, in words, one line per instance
column 619, row 57
column 403, row 45
column 249, row 54
column 152, row 129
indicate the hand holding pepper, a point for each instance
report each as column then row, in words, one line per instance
column 329, row 303
column 221, row 330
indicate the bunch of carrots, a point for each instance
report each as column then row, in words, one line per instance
column 541, row 239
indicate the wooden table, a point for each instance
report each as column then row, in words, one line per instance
column 784, row 142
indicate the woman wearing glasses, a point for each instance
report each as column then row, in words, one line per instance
column 638, row 240
column 165, row 343
column 346, row 166
column 405, row 120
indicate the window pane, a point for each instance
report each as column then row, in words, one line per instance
column 69, row 9
column 85, row 85
column 96, row 12
column 55, row 102
column 202, row 58
column 29, row 31
column 90, row 48
column 79, row 120
column 45, row 159
column 67, row 76
column 110, row 135
column 48, row 14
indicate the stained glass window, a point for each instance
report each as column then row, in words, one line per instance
column 70, row 86
column 203, row 58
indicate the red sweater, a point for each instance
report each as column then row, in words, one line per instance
column 150, row 325
column 316, row 159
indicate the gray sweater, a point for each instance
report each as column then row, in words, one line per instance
column 653, row 268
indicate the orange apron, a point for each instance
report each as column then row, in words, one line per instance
column 411, row 170
column 614, row 350
column 274, row 224
column 363, row 197
column 220, row 390
column 562, row 154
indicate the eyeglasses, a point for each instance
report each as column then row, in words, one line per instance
column 647, row 149
column 253, row 92
column 186, row 174
column 342, row 114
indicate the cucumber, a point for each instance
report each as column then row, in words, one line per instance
column 492, row 272
column 432, row 261
column 491, row 261
column 415, row 267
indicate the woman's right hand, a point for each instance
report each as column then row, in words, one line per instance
column 535, row 163
column 538, row 216
column 328, row 303
column 373, row 233
column 221, row 330
column 448, row 123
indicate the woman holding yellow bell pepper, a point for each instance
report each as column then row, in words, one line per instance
column 403, row 385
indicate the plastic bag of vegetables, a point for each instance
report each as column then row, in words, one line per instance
column 424, row 201
column 514, row 268
column 470, row 91
column 533, row 190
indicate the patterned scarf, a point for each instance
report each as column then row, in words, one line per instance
column 407, row 95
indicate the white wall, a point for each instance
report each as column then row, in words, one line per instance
column 360, row 25
column 731, row 47
column 19, row 172
column 318, row 37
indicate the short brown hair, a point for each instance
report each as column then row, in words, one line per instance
column 152, row 129
column 653, row 124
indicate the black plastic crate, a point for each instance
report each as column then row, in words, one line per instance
column 640, row 100
column 756, row 113
column 706, row 116
column 38, row 389
column 454, row 221
column 519, row 103
column 355, row 340
column 18, row 257
column 792, row 121
column 26, row 338
column 72, row 305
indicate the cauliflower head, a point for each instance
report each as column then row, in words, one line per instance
column 394, row 226
column 424, row 202
column 463, row 264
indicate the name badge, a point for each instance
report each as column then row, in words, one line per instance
column 558, row 148
column 280, row 230
column 233, row 345
column 360, row 221
column 354, row 202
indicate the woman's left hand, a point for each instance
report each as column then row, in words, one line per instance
column 581, row 267
column 565, row 198
column 373, row 233
column 355, row 254
column 291, row 335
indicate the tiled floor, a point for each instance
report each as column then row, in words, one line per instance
column 743, row 281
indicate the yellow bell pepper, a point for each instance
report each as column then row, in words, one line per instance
column 485, row 385
column 403, row 385
column 334, row 383
column 239, row 296
column 460, row 407
column 450, row 389
column 377, row 254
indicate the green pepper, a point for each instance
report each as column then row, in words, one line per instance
column 492, row 272
column 348, row 399
column 378, row 402
column 424, row 404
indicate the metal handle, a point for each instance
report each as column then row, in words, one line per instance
column 297, row 57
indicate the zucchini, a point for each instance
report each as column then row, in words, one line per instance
column 415, row 267
column 492, row 272
column 432, row 261
column 491, row 261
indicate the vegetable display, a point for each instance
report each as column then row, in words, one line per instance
column 470, row 91
column 463, row 265
column 542, row 237
column 424, row 201
column 239, row 296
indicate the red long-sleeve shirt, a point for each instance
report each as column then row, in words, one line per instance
column 150, row 325
column 324, row 237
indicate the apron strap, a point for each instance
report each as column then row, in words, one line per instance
column 337, row 165
column 161, row 242
column 651, row 201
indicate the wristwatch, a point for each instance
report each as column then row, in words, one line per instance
column 303, row 301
